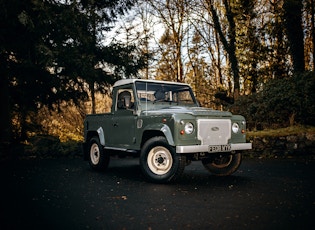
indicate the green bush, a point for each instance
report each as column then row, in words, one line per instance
column 282, row 102
column 50, row 146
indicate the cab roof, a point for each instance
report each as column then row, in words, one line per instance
column 132, row 81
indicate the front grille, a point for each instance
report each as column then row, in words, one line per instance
column 214, row 131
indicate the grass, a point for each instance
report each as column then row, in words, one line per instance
column 292, row 130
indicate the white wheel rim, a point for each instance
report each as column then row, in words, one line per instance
column 160, row 160
column 94, row 154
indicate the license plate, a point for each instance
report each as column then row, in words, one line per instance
column 219, row 148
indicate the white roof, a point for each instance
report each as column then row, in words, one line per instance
column 131, row 81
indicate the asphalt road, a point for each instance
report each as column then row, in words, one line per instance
column 66, row 194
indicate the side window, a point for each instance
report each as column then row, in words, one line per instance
column 124, row 99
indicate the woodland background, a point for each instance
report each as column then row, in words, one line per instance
column 59, row 59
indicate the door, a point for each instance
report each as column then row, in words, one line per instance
column 123, row 129
column 123, row 122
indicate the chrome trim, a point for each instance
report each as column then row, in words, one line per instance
column 204, row 148
column 241, row 146
column 192, row 148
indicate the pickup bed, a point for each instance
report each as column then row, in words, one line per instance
column 162, row 124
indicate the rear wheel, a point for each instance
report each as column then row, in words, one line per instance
column 223, row 164
column 159, row 161
column 98, row 158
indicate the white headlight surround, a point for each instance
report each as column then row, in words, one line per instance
column 189, row 128
column 235, row 127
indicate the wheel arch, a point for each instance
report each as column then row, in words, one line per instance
column 161, row 130
column 90, row 134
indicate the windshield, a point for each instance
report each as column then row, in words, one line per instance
column 164, row 94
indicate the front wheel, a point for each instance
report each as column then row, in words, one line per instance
column 223, row 165
column 98, row 158
column 159, row 162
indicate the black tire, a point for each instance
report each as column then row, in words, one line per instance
column 98, row 158
column 159, row 162
column 224, row 164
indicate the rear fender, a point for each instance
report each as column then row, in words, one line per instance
column 101, row 136
column 85, row 146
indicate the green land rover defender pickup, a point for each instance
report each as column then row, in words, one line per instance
column 162, row 124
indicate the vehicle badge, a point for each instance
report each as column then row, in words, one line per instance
column 215, row 128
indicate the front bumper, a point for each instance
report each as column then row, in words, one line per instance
column 205, row 148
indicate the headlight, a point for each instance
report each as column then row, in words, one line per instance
column 235, row 128
column 189, row 128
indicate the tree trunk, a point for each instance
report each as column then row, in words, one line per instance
column 293, row 23
column 229, row 45
column 5, row 117
column 219, row 70
column 92, row 90
column 232, row 49
column 179, row 67
column 313, row 30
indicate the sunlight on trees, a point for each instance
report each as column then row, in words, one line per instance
column 59, row 58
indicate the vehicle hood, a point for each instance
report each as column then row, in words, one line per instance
column 195, row 111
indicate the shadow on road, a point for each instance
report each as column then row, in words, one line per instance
column 194, row 174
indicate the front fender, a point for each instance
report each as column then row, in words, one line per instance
column 168, row 134
column 165, row 129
